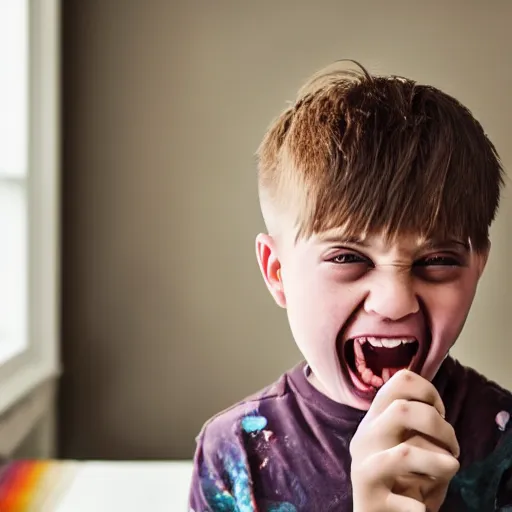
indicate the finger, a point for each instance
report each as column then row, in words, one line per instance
column 397, row 503
column 406, row 459
column 427, row 443
column 404, row 417
column 405, row 385
column 422, row 488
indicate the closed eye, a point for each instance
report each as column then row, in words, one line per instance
column 438, row 269
column 349, row 257
column 438, row 261
column 349, row 266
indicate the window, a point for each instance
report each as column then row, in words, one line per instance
column 28, row 195
column 13, row 176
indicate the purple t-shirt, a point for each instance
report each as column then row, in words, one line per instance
column 286, row 449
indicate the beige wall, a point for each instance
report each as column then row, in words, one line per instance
column 166, row 319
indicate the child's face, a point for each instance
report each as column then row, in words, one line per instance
column 347, row 299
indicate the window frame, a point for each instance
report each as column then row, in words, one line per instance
column 40, row 361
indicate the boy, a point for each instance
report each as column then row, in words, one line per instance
column 377, row 194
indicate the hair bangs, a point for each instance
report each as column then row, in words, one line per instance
column 382, row 155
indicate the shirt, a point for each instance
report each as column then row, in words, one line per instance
column 286, row 448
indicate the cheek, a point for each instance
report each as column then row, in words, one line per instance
column 317, row 310
column 448, row 307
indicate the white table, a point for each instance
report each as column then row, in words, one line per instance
column 128, row 487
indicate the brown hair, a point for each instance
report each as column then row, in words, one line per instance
column 379, row 154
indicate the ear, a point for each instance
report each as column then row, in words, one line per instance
column 270, row 267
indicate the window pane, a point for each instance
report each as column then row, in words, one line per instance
column 13, row 87
column 13, row 269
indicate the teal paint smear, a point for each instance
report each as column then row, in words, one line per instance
column 281, row 507
column 478, row 484
column 251, row 424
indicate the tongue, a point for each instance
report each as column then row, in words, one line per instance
column 378, row 358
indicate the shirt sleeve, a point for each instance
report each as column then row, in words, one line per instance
column 208, row 491
column 221, row 479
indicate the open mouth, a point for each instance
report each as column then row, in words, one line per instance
column 372, row 361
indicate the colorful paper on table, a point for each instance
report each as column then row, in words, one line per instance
column 34, row 486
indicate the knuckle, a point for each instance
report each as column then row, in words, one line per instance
column 401, row 406
column 450, row 466
column 404, row 377
column 453, row 466
column 403, row 451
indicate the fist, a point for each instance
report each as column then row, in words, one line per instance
column 404, row 453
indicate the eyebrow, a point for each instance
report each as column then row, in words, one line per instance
column 430, row 244
column 341, row 239
column 440, row 244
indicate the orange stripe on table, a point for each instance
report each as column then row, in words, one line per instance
column 18, row 493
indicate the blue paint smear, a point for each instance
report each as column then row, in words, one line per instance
column 238, row 472
column 217, row 496
column 252, row 424
column 239, row 497
column 219, row 500
column 281, row 507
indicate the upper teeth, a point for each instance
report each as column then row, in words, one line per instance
column 384, row 342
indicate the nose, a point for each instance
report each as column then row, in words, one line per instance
column 392, row 297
